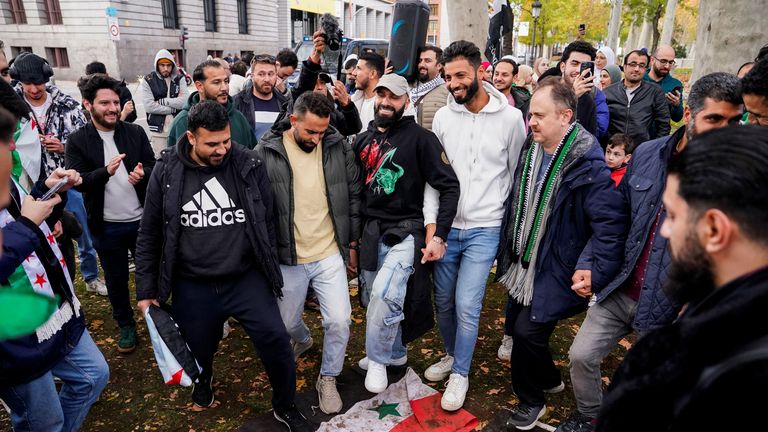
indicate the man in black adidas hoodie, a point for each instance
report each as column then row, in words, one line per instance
column 207, row 239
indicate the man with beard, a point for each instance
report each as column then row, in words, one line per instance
column 163, row 94
column 115, row 159
column 504, row 78
column 591, row 107
column 429, row 93
column 207, row 242
column 260, row 102
column 482, row 136
column 368, row 70
column 637, row 108
column 754, row 88
column 634, row 301
column 398, row 159
column 686, row 376
column 212, row 83
column 662, row 62
column 316, row 190
column 563, row 238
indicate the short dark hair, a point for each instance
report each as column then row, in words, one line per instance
column 247, row 58
column 718, row 86
column 95, row 67
column 638, row 52
column 756, row 81
column 207, row 114
column 463, row 49
column 263, row 59
column 11, row 101
column 515, row 67
column 199, row 73
column 286, row 57
column 579, row 46
column 561, row 93
column 727, row 169
column 315, row 103
column 239, row 68
column 374, row 61
column 89, row 85
column 762, row 54
column 621, row 140
column 7, row 126
column 435, row 49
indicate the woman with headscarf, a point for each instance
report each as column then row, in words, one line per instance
column 605, row 56
column 609, row 75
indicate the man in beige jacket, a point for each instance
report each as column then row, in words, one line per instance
column 429, row 93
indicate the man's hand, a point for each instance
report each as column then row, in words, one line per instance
column 434, row 250
column 38, row 211
column 582, row 84
column 114, row 163
column 144, row 304
column 128, row 108
column 353, row 260
column 318, row 40
column 280, row 83
column 582, row 283
column 57, row 230
column 136, row 175
column 340, row 93
column 388, row 68
column 73, row 178
column 52, row 144
column 673, row 98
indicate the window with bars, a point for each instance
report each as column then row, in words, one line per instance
column 52, row 12
column 170, row 14
column 18, row 15
column 209, row 12
column 16, row 50
column 57, row 57
column 216, row 53
column 242, row 16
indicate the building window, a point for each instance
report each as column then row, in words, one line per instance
column 16, row 50
column 216, row 53
column 433, row 11
column 57, row 57
column 209, row 11
column 242, row 16
column 245, row 53
column 178, row 56
column 52, row 12
column 432, row 27
column 170, row 14
column 432, row 39
column 16, row 8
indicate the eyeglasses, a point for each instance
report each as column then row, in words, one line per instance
column 636, row 65
column 666, row 62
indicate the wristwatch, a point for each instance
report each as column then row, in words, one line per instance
column 438, row 240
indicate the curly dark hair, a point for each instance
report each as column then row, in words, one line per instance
column 89, row 85
column 209, row 115
column 756, row 81
column 579, row 46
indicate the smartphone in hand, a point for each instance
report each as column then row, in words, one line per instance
column 587, row 66
column 52, row 191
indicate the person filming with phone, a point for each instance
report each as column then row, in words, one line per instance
column 578, row 71
column 660, row 72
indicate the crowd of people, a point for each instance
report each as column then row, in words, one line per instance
column 249, row 194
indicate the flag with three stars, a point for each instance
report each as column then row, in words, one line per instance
column 405, row 406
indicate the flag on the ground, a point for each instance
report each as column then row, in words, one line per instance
column 405, row 406
column 499, row 24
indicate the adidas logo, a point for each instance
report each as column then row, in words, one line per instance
column 211, row 207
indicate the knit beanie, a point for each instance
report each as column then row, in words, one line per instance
column 31, row 68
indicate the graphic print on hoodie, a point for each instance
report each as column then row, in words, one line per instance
column 381, row 172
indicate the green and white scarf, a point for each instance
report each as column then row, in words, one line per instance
column 532, row 212
column 31, row 276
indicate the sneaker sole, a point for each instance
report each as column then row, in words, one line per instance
column 557, row 389
column 402, row 361
column 277, row 417
column 436, row 378
column 533, row 425
column 452, row 407
column 126, row 350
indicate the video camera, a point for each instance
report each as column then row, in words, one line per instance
column 331, row 30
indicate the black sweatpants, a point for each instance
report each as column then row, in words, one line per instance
column 200, row 307
column 532, row 367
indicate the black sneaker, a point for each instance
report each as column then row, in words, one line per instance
column 294, row 420
column 524, row 417
column 577, row 422
column 202, row 392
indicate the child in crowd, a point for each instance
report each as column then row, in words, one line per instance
column 617, row 155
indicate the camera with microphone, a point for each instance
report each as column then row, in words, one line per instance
column 331, row 31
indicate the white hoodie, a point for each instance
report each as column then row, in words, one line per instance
column 483, row 149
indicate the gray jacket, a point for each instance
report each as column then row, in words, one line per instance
column 342, row 182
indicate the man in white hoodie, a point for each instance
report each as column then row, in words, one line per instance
column 482, row 136
column 163, row 93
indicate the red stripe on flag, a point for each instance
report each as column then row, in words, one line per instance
column 428, row 415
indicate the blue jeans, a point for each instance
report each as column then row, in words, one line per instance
column 35, row 406
column 89, row 267
column 383, row 339
column 329, row 280
column 460, row 279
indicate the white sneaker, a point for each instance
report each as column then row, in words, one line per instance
column 454, row 395
column 440, row 370
column 376, row 377
column 97, row 285
column 505, row 349
column 363, row 362
column 556, row 389
column 225, row 331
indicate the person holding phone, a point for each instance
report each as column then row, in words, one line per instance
column 660, row 72
column 577, row 68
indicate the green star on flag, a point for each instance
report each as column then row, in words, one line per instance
column 386, row 409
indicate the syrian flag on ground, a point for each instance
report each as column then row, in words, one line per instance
column 500, row 23
column 405, row 406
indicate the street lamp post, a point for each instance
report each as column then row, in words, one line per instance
column 535, row 12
